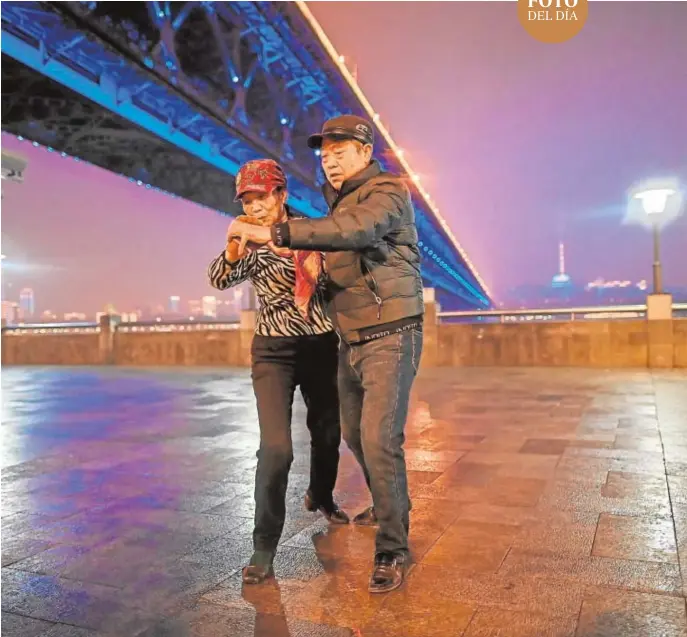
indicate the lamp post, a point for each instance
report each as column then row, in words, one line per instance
column 654, row 201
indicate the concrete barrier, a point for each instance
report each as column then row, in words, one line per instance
column 607, row 343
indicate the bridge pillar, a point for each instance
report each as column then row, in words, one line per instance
column 659, row 314
column 659, row 307
column 430, row 347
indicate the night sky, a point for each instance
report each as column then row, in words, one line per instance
column 520, row 143
column 83, row 237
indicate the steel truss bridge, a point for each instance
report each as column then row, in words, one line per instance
column 176, row 95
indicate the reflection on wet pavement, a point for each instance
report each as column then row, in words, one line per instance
column 545, row 502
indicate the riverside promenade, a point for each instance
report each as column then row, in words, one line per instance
column 547, row 502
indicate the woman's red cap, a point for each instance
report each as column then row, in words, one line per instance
column 259, row 175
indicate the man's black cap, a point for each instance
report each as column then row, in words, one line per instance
column 344, row 127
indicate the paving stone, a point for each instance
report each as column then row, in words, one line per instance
column 472, row 546
column 519, row 593
column 493, row 622
column 546, row 447
column 630, row 574
column 621, row 484
column 21, row 626
column 611, row 613
column 678, row 489
column 64, row 630
column 83, row 605
column 636, row 538
column 552, row 531
column 437, row 617
column 16, row 549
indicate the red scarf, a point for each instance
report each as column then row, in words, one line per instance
column 308, row 270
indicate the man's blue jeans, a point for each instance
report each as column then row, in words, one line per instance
column 375, row 379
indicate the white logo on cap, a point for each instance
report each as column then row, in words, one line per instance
column 362, row 129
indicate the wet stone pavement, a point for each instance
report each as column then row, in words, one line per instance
column 546, row 502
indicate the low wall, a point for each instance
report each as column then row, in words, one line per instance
column 680, row 343
column 594, row 344
column 51, row 349
column 637, row 343
column 633, row 343
column 224, row 348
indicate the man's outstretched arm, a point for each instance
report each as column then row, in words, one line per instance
column 353, row 227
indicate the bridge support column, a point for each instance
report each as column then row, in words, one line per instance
column 659, row 314
column 430, row 348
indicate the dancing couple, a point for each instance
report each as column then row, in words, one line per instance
column 340, row 316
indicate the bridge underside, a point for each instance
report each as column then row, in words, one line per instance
column 177, row 95
column 43, row 111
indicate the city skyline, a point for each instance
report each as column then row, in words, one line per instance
column 208, row 306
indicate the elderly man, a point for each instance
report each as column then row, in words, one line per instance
column 375, row 300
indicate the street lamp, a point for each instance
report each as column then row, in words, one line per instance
column 654, row 202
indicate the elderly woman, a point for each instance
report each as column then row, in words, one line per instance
column 294, row 345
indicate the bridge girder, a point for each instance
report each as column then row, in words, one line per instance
column 221, row 82
column 38, row 109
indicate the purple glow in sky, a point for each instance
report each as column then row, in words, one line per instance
column 92, row 237
column 520, row 143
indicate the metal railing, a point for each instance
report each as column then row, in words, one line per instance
column 133, row 327
column 598, row 313
column 172, row 326
column 51, row 328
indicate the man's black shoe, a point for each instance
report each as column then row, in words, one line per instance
column 259, row 568
column 331, row 511
column 389, row 572
column 368, row 517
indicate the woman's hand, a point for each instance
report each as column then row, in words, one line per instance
column 249, row 233
column 280, row 252
column 241, row 234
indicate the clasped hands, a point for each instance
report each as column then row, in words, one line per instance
column 246, row 234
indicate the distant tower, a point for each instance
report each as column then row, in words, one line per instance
column 174, row 305
column 561, row 279
column 209, row 306
column 27, row 303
